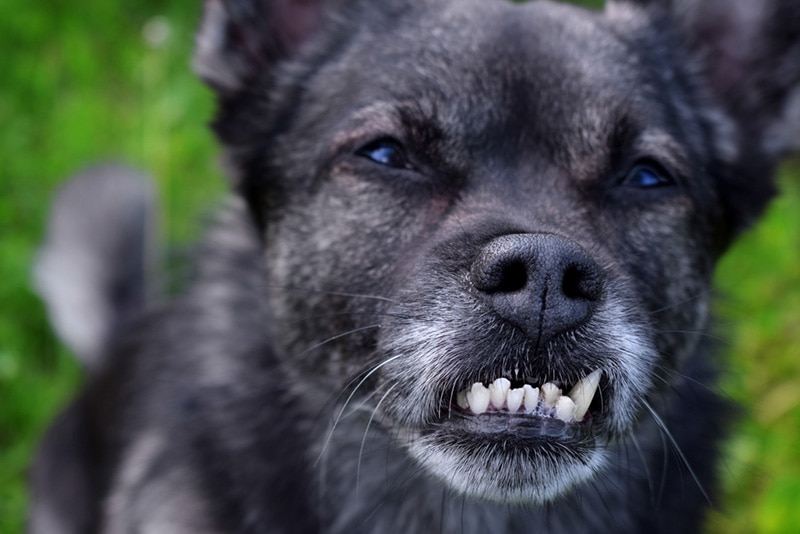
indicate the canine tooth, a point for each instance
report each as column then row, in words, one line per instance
column 461, row 399
column 498, row 391
column 514, row 399
column 583, row 393
column 565, row 409
column 551, row 393
column 478, row 398
column 531, row 399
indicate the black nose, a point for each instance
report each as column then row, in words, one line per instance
column 544, row 284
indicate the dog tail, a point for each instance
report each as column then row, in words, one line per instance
column 96, row 269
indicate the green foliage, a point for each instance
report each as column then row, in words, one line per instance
column 83, row 83
column 99, row 80
column 759, row 308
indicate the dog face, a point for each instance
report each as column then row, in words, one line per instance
column 492, row 226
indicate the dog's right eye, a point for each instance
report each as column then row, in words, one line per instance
column 387, row 152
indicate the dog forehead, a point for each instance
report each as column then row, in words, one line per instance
column 533, row 41
column 499, row 63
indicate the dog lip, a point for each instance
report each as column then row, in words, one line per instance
column 518, row 430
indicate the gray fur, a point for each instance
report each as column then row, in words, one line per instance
column 306, row 381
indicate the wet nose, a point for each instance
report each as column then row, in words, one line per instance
column 542, row 283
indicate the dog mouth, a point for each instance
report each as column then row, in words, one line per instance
column 522, row 440
column 516, row 425
column 517, row 428
column 528, row 399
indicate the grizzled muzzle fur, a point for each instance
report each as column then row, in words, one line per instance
column 463, row 281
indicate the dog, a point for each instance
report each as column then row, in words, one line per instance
column 462, row 283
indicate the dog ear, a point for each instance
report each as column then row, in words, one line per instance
column 238, row 39
column 750, row 55
column 747, row 53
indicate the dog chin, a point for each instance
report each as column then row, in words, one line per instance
column 503, row 469
column 514, row 443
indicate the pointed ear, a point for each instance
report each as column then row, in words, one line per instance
column 747, row 56
column 749, row 52
column 238, row 39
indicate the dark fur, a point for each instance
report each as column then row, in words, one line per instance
column 304, row 382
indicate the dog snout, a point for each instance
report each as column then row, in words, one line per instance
column 542, row 283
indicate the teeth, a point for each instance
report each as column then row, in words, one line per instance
column 461, row 399
column 531, row 397
column 565, row 409
column 550, row 393
column 498, row 390
column 583, row 393
column 500, row 397
column 478, row 398
column 514, row 399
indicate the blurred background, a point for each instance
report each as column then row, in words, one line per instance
column 99, row 80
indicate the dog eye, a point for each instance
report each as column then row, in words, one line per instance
column 647, row 176
column 386, row 152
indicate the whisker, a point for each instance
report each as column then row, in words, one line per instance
column 333, row 293
column 347, row 402
column 670, row 371
column 665, row 431
column 691, row 298
column 366, row 432
column 647, row 473
column 351, row 314
column 338, row 336
column 701, row 333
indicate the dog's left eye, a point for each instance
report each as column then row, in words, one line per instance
column 387, row 152
column 647, row 176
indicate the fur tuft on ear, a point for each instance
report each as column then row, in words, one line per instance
column 238, row 39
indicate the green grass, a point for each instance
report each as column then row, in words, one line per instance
column 80, row 83
column 759, row 308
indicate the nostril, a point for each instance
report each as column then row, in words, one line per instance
column 500, row 275
column 580, row 283
column 513, row 277
column 543, row 284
